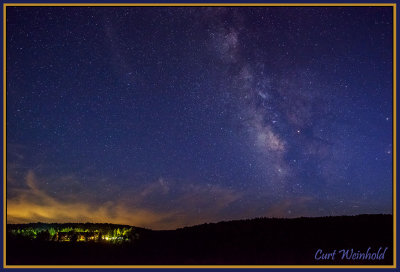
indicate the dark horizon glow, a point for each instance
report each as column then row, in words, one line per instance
column 163, row 117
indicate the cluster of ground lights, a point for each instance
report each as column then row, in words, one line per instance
column 70, row 234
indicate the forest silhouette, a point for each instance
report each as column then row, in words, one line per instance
column 261, row 241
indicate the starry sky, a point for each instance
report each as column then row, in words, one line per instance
column 164, row 117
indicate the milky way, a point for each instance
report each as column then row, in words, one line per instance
column 164, row 117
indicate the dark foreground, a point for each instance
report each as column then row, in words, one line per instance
column 258, row 241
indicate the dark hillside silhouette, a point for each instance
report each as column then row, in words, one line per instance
column 244, row 242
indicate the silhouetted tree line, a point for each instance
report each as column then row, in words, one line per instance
column 74, row 232
column 255, row 241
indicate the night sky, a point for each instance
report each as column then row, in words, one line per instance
column 164, row 117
